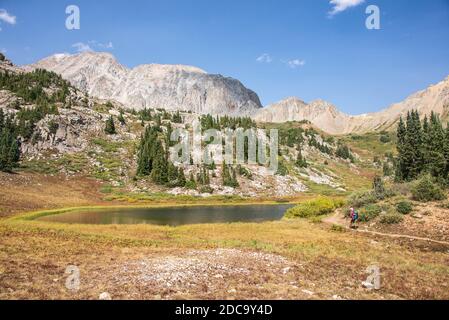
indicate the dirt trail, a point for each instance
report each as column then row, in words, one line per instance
column 337, row 219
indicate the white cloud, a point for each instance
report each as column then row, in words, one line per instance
column 3, row 50
column 81, row 47
column 342, row 5
column 105, row 45
column 295, row 63
column 6, row 17
column 264, row 58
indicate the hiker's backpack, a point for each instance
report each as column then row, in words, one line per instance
column 356, row 215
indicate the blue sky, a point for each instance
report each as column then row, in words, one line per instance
column 303, row 50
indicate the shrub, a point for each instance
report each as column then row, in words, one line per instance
column 370, row 212
column 404, row 207
column 205, row 189
column 191, row 185
column 110, row 126
column 282, row 169
column 361, row 199
column 385, row 138
column 314, row 208
column 2, row 57
column 425, row 190
column 53, row 127
column 391, row 218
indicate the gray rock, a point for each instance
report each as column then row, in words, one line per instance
column 173, row 87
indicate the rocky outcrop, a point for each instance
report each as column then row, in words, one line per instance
column 172, row 87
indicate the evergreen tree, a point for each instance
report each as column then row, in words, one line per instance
column 110, row 126
column 160, row 166
column 146, row 151
column 181, row 178
column 121, row 118
column 446, row 151
column 436, row 158
column 168, row 142
column 177, row 117
column 300, row 160
column 172, row 172
column 9, row 146
column 401, row 161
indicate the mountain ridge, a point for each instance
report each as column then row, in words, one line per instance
column 329, row 118
column 189, row 88
column 173, row 87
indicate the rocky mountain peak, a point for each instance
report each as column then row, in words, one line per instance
column 173, row 87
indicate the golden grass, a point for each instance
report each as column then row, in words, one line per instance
column 332, row 258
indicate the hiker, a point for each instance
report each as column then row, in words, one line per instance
column 354, row 214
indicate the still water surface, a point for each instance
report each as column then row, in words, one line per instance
column 174, row 216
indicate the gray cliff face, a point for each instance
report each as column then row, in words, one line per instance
column 171, row 87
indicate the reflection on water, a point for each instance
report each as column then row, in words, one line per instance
column 174, row 216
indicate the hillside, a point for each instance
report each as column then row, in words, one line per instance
column 70, row 139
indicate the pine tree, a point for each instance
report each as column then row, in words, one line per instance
column 172, row 172
column 446, row 151
column 110, row 126
column 426, row 144
column 181, row 178
column 121, row 119
column 300, row 160
column 234, row 181
column 168, row 142
column 436, row 159
column 159, row 172
column 401, row 162
column 9, row 146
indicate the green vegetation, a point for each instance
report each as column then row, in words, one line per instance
column 9, row 146
column 385, row 137
column 30, row 86
column 121, row 118
column 344, row 152
column 361, row 199
column 209, row 122
column 370, row 212
column 426, row 189
column 291, row 136
column 229, row 176
column 152, row 160
column 423, row 147
column 110, row 126
column 391, row 218
column 313, row 142
column 314, row 208
column 282, row 168
column 300, row 160
column 404, row 207
column 244, row 172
